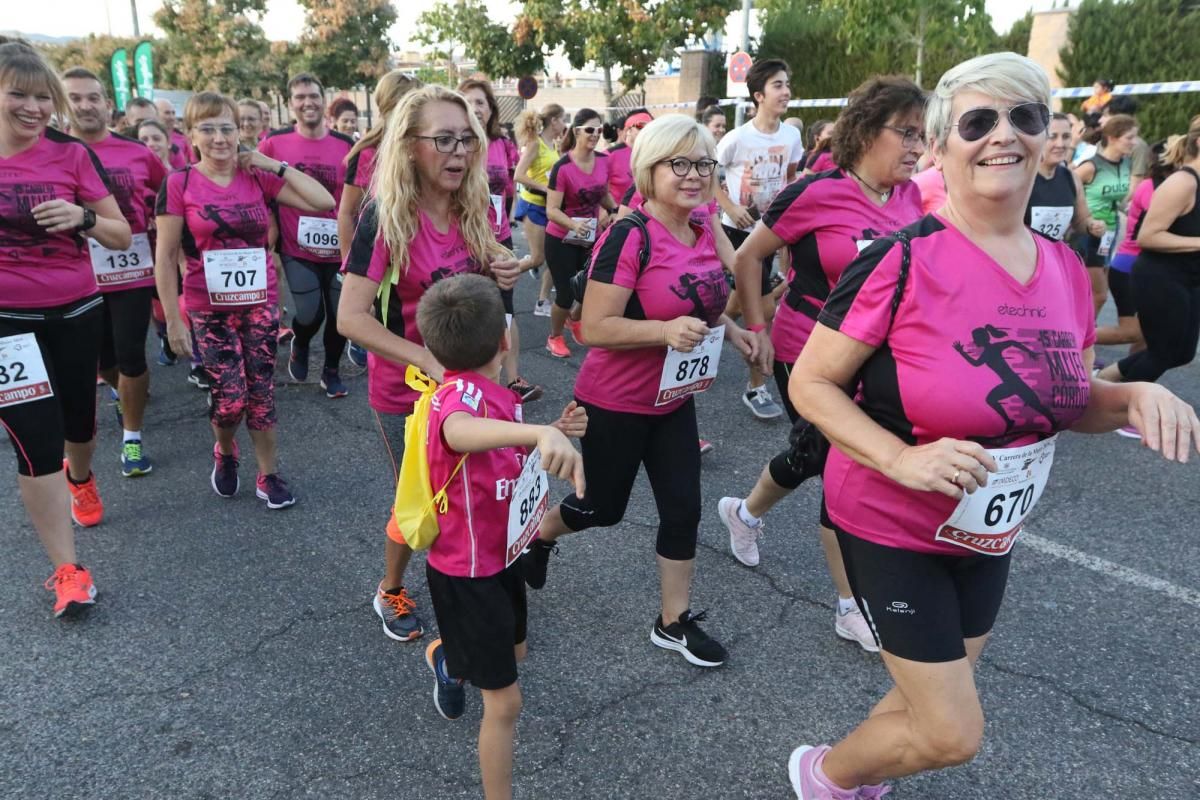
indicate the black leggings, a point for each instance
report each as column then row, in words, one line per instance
column 316, row 291
column 126, row 318
column 1168, row 304
column 615, row 445
column 564, row 261
column 69, row 339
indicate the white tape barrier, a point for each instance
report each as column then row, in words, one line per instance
column 1168, row 87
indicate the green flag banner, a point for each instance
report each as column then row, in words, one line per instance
column 143, row 69
column 120, row 79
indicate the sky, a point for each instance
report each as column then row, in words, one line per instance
column 285, row 18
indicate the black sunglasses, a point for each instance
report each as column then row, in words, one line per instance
column 1031, row 119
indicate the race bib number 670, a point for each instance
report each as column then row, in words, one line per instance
column 989, row 520
column 23, row 376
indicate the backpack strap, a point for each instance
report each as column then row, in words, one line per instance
column 902, row 277
column 419, row 381
column 638, row 219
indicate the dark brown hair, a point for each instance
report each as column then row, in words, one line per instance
column 462, row 322
column 1115, row 127
column 761, row 72
column 492, row 129
column 867, row 110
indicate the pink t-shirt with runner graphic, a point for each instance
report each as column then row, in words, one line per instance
column 582, row 192
column 825, row 219
column 40, row 269
column 679, row 280
column 219, row 217
column 474, row 529
column 972, row 354
column 325, row 160
column 135, row 175
column 432, row 256
column 502, row 158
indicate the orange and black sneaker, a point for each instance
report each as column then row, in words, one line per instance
column 73, row 589
column 396, row 609
column 86, row 508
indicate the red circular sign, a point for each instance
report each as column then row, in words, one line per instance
column 527, row 87
column 739, row 66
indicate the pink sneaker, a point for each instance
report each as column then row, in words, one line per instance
column 1129, row 432
column 743, row 540
column 558, row 347
column 576, row 329
column 873, row 792
column 808, row 784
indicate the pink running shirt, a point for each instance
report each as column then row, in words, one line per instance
column 701, row 215
column 39, row 269
column 323, row 159
column 973, row 354
column 933, row 189
column 219, row 218
column 474, row 529
column 181, row 151
column 679, row 280
column 823, row 162
column 502, row 158
column 582, row 193
column 360, row 167
column 135, row 175
column 823, row 218
column 1138, row 203
column 620, row 176
column 432, row 256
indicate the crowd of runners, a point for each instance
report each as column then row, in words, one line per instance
column 921, row 277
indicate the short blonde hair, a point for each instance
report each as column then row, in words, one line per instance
column 665, row 138
column 1004, row 76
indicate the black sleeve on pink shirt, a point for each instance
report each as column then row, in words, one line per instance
column 608, row 254
column 362, row 246
column 352, row 169
column 552, row 181
column 160, row 204
column 628, row 198
column 339, row 135
column 784, row 199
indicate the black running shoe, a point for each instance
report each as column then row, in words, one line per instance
column 686, row 638
column 534, row 561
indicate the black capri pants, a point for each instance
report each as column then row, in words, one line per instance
column 69, row 339
column 1167, row 293
column 564, row 261
column 126, row 319
column 615, row 445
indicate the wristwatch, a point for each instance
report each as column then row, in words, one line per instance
column 283, row 165
column 89, row 220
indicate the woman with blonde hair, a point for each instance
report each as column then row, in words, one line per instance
column 427, row 219
column 538, row 135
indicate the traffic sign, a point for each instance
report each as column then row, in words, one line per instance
column 527, row 87
column 739, row 66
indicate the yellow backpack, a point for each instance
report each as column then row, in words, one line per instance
column 417, row 506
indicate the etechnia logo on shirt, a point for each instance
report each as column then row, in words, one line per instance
column 1021, row 311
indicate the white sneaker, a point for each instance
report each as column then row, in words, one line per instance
column 852, row 627
column 760, row 402
column 743, row 539
column 542, row 308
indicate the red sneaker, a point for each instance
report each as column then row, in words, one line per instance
column 558, row 347
column 86, row 508
column 576, row 329
column 73, row 589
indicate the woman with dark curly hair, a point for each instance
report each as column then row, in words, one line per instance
column 825, row 220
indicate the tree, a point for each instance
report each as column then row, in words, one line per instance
column 629, row 36
column 92, row 52
column 1140, row 41
column 952, row 29
column 215, row 44
column 1017, row 38
column 345, row 42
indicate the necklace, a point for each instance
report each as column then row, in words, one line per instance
column 882, row 195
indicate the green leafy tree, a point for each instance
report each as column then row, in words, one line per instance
column 91, row 52
column 923, row 37
column 625, row 36
column 1017, row 38
column 345, row 42
column 1140, row 41
column 214, row 44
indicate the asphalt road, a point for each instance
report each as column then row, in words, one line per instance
column 234, row 653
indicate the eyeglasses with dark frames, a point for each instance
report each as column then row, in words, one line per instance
column 682, row 166
column 910, row 137
column 446, row 143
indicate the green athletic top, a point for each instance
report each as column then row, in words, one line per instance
column 1108, row 188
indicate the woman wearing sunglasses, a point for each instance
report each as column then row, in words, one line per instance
column 668, row 270
column 968, row 339
column 578, row 207
column 826, row 220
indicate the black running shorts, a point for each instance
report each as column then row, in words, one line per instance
column 481, row 620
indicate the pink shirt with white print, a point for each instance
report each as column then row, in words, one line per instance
column 323, row 159
column 474, row 530
column 582, row 192
column 679, row 280
column 502, row 158
column 135, row 175
column 701, row 215
column 219, row 217
column 40, row 269
column 432, row 256
column 972, row 354
column 823, row 218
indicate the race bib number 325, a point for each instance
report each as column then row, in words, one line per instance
column 989, row 520
column 23, row 376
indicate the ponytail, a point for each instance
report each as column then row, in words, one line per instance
column 1184, row 148
column 526, row 127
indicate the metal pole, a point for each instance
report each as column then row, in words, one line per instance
column 136, row 31
column 739, row 115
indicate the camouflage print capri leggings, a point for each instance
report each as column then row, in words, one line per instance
column 237, row 350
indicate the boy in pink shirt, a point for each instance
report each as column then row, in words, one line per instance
column 478, row 446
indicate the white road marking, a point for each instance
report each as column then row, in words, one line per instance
column 1181, row 593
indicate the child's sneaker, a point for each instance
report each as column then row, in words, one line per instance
column 449, row 697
